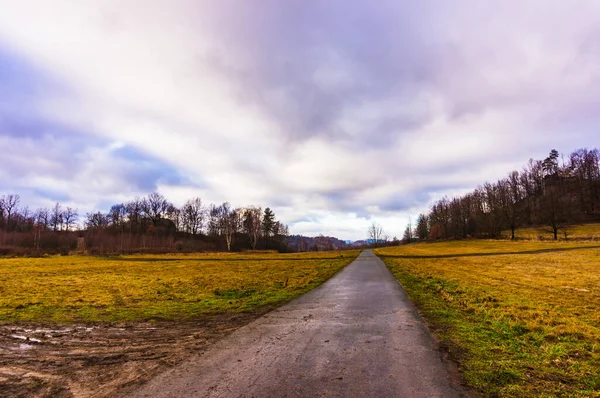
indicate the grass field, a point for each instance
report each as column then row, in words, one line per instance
column 169, row 287
column 521, row 318
column 577, row 232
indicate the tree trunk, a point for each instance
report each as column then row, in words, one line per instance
column 228, row 242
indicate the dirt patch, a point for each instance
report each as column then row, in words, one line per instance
column 100, row 360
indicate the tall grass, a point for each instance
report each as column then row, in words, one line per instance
column 575, row 232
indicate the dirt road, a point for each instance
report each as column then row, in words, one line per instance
column 357, row 335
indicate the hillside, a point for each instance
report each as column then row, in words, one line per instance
column 557, row 193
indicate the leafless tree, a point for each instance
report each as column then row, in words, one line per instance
column 117, row 216
column 214, row 217
column 134, row 212
column 280, row 234
column 510, row 195
column 42, row 218
column 553, row 210
column 252, row 224
column 96, row 221
column 193, row 214
column 585, row 166
column 56, row 217
column 155, row 207
column 25, row 220
column 229, row 223
column 9, row 204
column 375, row 233
column 69, row 217
column 174, row 214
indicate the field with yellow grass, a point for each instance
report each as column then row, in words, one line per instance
column 97, row 327
column 575, row 232
column 164, row 287
column 521, row 318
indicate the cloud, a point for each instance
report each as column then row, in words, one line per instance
column 335, row 113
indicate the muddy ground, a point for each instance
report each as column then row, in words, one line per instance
column 100, row 360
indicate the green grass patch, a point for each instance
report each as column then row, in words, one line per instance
column 521, row 318
column 157, row 287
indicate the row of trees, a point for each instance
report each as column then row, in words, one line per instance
column 556, row 192
column 150, row 223
column 16, row 219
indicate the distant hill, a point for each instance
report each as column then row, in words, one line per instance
column 317, row 243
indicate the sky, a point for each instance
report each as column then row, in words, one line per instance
column 334, row 113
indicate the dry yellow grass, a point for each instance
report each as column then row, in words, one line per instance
column 522, row 318
column 578, row 232
column 135, row 288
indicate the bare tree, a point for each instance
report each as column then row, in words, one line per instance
column 510, row 196
column 69, row 217
column 9, row 203
column 252, row 225
column 229, row 223
column 214, row 217
column 117, row 216
column 281, row 234
column 553, row 211
column 174, row 214
column 42, row 218
column 25, row 220
column 155, row 207
column 134, row 214
column 96, row 221
column 56, row 217
column 585, row 167
column 193, row 214
column 375, row 233
column 2, row 215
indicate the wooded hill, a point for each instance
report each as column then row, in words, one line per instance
column 558, row 192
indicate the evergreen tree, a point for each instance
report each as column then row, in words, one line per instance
column 422, row 227
column 268, row 224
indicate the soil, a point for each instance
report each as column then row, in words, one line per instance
column 101, row 360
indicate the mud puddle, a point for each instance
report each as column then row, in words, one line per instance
column 100, row 360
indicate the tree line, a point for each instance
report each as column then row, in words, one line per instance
column 555, row 192
column 147, row 224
